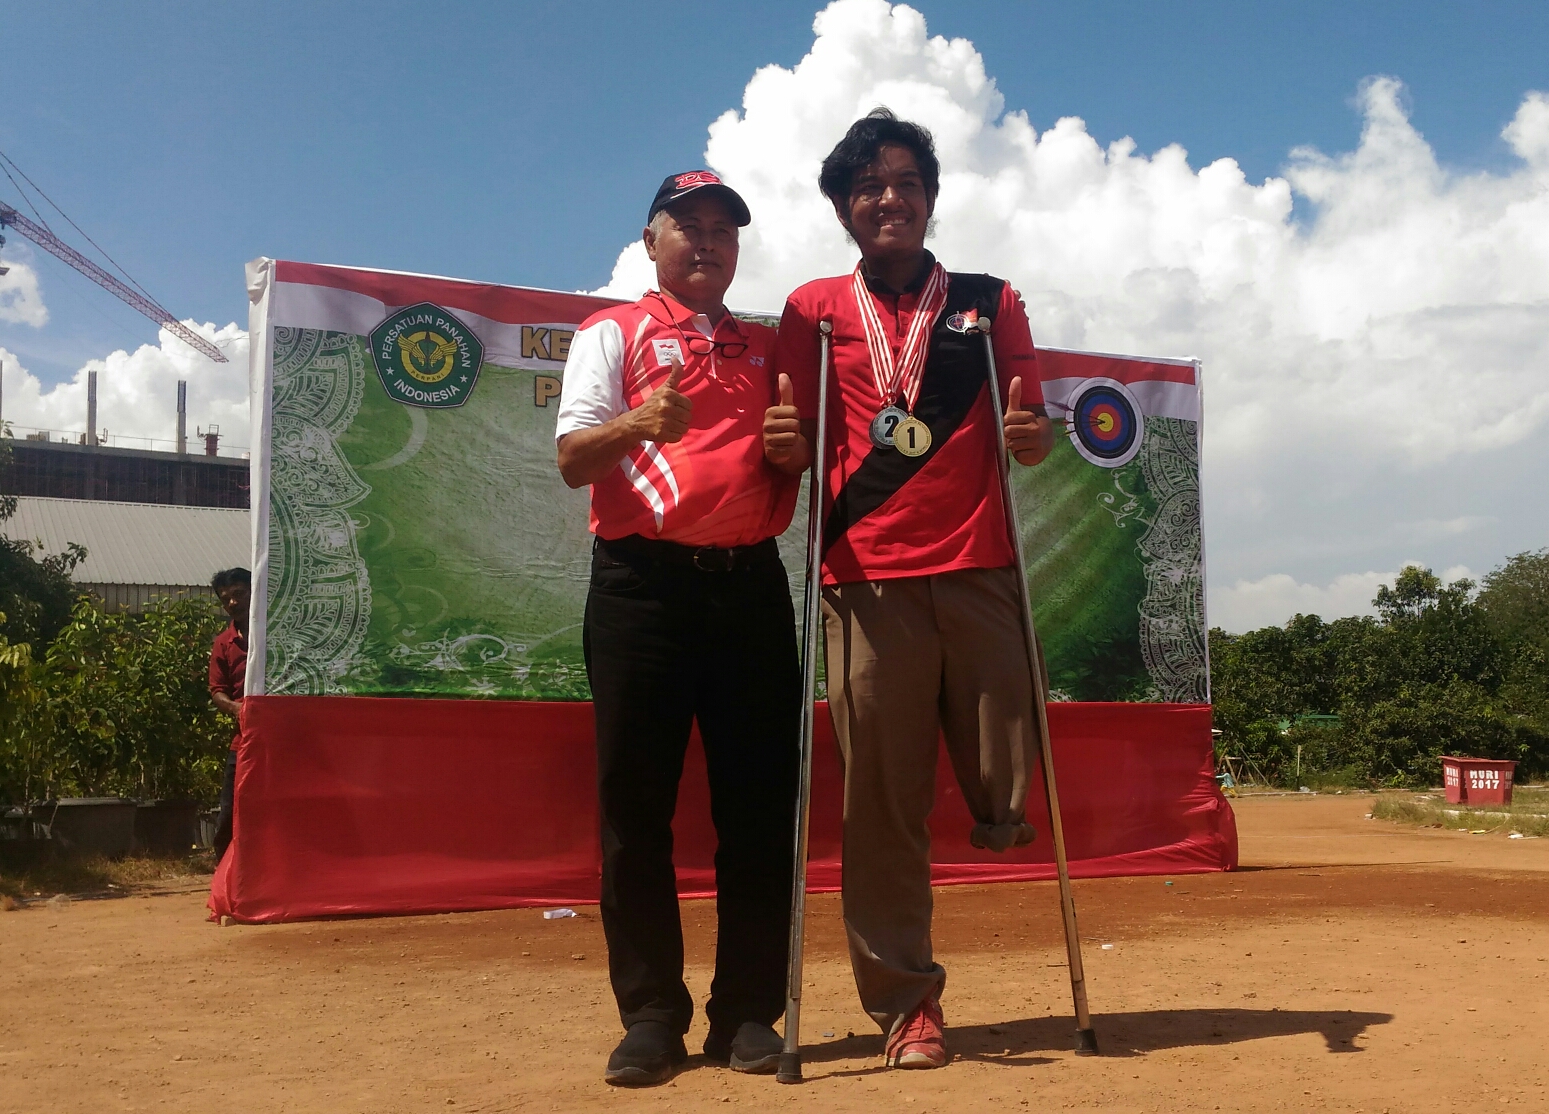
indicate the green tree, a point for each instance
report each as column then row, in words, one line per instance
column 18, row 700
column 1442, row 633
column 36, row 594
column 126, row 707
column 1414, row 591
column 1515, row 605
column 1440, row 671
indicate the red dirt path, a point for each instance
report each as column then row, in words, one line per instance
column 1351, row 965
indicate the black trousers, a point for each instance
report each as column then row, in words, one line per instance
column 228, row 798
column 667, row 643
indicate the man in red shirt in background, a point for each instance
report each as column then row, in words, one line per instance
column 228, row 670
column 922, row 615
column 688, row 617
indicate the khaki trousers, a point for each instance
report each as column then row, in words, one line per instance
column 909, row 661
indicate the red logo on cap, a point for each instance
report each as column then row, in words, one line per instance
column 696, row 178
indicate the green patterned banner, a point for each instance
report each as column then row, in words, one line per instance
column 417, row 539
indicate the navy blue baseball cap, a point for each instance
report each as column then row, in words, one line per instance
column 675, row 187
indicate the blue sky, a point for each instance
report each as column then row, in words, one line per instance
column 1373, row 318
column 519, row 142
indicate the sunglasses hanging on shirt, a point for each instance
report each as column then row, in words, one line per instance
column 702, row 345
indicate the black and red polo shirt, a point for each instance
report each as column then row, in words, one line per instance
column 888, row 515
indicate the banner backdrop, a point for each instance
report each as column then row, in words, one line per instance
column 412, row 537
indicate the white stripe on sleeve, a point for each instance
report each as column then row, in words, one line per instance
column 593, row 384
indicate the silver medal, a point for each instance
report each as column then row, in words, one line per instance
column 885, row 424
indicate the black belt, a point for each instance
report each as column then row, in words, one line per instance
column 705, row 558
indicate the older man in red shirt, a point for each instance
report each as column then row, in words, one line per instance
column 228, row 672
column 688, row 618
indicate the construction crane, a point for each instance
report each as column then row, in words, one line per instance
column 10, row 218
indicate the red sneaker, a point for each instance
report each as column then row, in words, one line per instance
column 919, row 1042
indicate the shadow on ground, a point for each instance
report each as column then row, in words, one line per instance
column 1122, row 1034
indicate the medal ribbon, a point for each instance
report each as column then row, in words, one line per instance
column 904, row 375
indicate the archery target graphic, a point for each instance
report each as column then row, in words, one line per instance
column 1105, row 423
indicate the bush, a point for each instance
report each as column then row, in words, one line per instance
column 36, row 594
column 1400, row 741
column 120, row 706
column 18, row 700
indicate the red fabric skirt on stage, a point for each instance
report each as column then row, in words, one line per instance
column 352, row 805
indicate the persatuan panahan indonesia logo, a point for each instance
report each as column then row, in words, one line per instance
column 426, row 357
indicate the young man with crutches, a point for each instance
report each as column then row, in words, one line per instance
column 922, row 607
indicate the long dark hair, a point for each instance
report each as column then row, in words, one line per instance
column 862, row 143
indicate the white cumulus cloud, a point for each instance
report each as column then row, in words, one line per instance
column 1374, row 326
column 21, row 303
column 137, row 391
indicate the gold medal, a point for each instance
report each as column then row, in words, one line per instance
column 912, row 437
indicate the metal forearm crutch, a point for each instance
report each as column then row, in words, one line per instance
column 1086, row 1038
column 789, row 1069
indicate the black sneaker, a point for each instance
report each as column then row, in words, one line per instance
column 755, row 1049
column 649, row 1053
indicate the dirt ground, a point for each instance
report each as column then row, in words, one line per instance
column 1350, row 965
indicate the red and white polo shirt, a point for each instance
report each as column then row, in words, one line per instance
column 714, row 487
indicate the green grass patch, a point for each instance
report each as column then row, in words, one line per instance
column 1528, row 812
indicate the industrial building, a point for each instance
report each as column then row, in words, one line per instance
column 136, row 552
column 154, row 524
column 59, row 470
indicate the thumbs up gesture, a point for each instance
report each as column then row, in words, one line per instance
column 1029, row 433
column 785, row 442
column 664, row 417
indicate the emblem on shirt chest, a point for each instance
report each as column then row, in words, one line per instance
column 965, row 322
column 667, row 350
column 426, row 357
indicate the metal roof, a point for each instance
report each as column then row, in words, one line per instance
column 136, row 543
